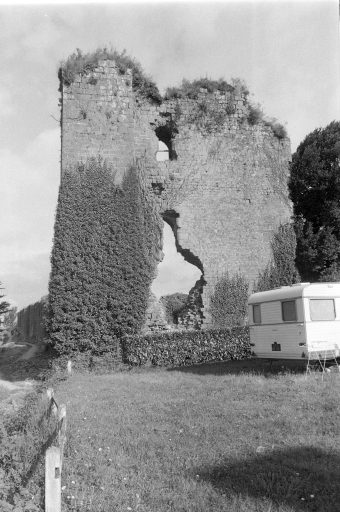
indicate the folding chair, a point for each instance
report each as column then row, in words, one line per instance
column 319, row 353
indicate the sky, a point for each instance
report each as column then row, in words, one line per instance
column 287, row 53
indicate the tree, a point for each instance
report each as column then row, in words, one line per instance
column 102, row 259
column 281, row 270
column 4, row 306
column 10, row 318
column 315, row 191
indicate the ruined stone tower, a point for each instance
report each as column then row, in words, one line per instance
column 224, row 188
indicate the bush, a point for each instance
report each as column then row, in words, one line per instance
column 279, row 130
column 182, row 348
column 79, row 63
column 173, row 303
column 101, row 264
column 191, row 89
column 281, row 270
column 255, row 114
column 228, row 304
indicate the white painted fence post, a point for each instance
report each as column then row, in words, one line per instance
column 52, row 480
column 69, row 367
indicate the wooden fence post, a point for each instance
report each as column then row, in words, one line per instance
column 69, row 367
column 62, row 432
column 52, row 480
column 50, row 396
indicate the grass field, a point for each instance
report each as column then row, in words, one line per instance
column 212, row 438
column 4, row 393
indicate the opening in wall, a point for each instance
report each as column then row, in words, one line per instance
column 174, row 273
column 165, row 145
column 163, row 152
column 177, row 291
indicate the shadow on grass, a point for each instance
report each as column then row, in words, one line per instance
column 303, row 478
column 248, row 366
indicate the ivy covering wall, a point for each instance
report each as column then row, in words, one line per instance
column 102, row 259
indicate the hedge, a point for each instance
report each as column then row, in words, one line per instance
column 182, row 348
column 102, row 264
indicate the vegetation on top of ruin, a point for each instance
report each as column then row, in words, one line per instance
column 80, row 63
column 142, row 84
column 256, row 115
column 191, row 89
column 237, row 87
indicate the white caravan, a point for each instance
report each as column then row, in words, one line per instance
column 285, row 323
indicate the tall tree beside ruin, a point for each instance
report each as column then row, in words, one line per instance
column 101, row 270
column 315, row 191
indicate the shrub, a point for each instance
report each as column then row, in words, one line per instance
column 181, row 348
column 191, row 89
column 281, row 270
column 279, row 130
column 101, row 264
column 79, row 63
column 330, row 274
column 173, row 303
column 240, row 86
column 255, row 114
column 228, row 303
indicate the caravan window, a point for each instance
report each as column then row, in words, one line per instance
column 289, row 311
column 322, row 309
column 257, row 314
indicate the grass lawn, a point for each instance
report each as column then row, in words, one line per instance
column 209, row 438
column 4, row 393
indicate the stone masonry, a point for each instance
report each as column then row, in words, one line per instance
column 223, row 190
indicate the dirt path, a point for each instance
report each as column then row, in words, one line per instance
column 20, row 365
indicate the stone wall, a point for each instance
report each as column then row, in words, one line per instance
column 224, row 189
